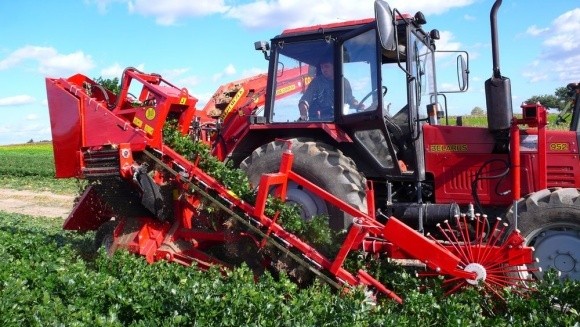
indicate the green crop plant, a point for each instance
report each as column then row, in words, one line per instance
column 49, row 277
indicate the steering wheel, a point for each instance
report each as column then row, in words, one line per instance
column 371, row 93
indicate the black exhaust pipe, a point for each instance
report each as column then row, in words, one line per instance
column 498, row 94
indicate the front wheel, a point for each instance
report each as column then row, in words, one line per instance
column 322, row 165
column 550, row 222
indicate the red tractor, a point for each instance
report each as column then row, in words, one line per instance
column 423, row 172
column 365, row 150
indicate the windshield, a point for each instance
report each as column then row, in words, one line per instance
column 306, row 78
column 298, row 65
column 422, row 69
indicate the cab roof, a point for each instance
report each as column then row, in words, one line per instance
column 322, row 28
column 325, row 27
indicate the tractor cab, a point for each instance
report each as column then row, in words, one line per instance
column 368, row 82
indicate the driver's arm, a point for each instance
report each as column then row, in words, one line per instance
column 349, row 98
column 306, row 99
column 303, row 107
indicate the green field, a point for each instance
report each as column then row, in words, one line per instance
column 31, row 167
column 49, row 277
column 481, row 121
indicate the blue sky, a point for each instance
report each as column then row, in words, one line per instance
column 203, row 44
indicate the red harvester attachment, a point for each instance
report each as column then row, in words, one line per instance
column 148, row 199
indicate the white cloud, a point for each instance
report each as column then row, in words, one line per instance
column 102, row 5
column 560, row 56
column 189, row 82
column 446, row 42
column 172, row 74
column 534, row 76
column 50, row 62
column 535, row 30
column 112, row 71
column 116, row 70
column 179, row 77
column 429, row 7
column 32, row 128
column 76, row 62
column 469, row 17
column 568, row 69
column 253, row 72
column 167, row 12
column 276, row 13
column 566, row 32
column 31, row 117
column 534, row 72
column 23, row 132
column 228, row 71
column 446, row 87
column 17, row 100
column 286, row 13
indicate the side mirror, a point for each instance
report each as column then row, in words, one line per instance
column 444, row 58
column 462, row 73
column 385, row 25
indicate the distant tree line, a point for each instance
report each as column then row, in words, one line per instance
column 556, row 101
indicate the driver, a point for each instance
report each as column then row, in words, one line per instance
column 317, row 102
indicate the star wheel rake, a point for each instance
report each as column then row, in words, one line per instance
column 485, row 251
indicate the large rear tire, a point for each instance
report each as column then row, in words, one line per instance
column 321, row 164
column 550, row 222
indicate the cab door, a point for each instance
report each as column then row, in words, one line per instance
column 362, row 102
